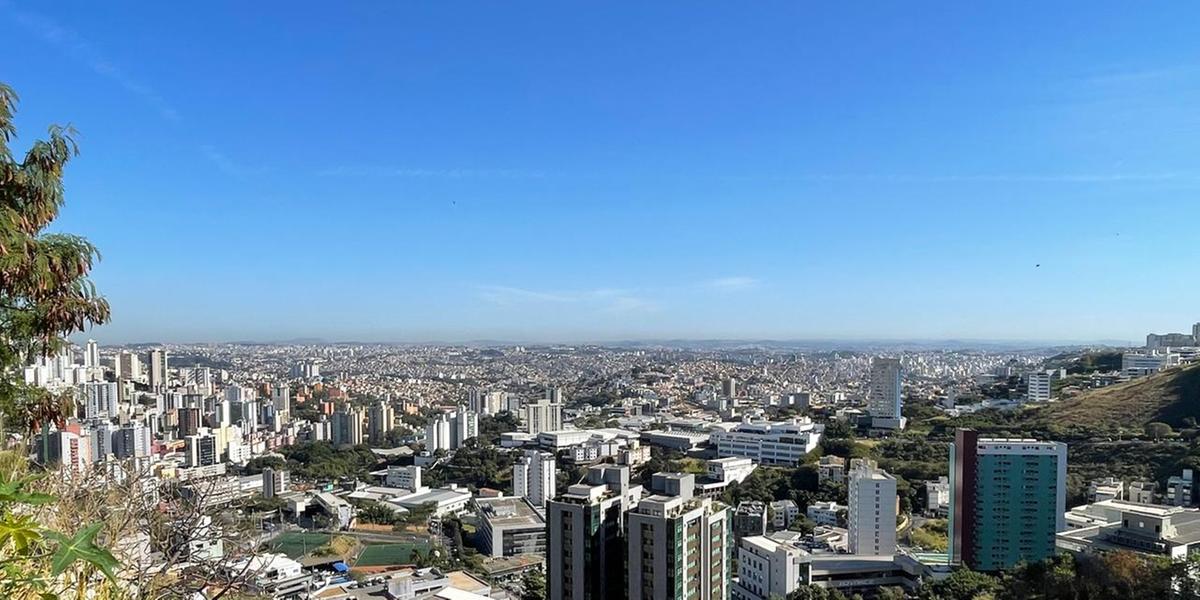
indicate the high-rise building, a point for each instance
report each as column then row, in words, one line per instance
column 729, row 387
column 281, row 397
column 99, row 400
column 534, row 477
column 1007, row 500
column 871, row 511
column 437, row 433
column 158, row 369
column 127, row 365
column 380, row 420
column 70, row 449
column 91, row 355
column 679, row 545
column 585, row 542
column 132, row 440
column 554, row 395
column 201, row 450
column 306, row 369
column 486, row 402
column 102, row 441
column 273, row 482
column 347, row 427
column 448, row 431
column 884, row 396
column 1037, row 385
column 464, row 426
column 543, row 415
column 189, row 421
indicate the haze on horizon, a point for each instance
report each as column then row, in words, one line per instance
column 562, row 172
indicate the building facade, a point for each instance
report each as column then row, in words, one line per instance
column 871, row 510
column 769, row 442
column 884, row 400
column 1008, row 499
column 534, row 477
column 679, row 548
column 585, row 536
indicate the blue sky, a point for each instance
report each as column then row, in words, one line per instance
column 596, row 171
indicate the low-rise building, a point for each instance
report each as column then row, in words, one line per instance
column 1181, row 489
column 341, row 511
column 272, row 575
column 783, row 513
column 937, row 496
column 451, row 500
column 824, row 513
column 769, row 569
column 831, row 469
column 1109, row 488
column 1141, row 364
column 730, row 469
column 509, row 526
column 1170, row 531
column 408, row 478
column 749, row 519
column 770, row 442
column 1142, row 492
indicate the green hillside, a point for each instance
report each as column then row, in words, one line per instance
column 1169, row 397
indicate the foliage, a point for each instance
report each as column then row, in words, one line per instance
column 814, row 592
column 45, row 295
column 931, row 536
column 491, row 426
column 322, row 461
column 533, row 585
column 1107, row 576
column 1158, row 430
column 374, row 512
column 1168, row 397
column 474, row 466
column 962, row 584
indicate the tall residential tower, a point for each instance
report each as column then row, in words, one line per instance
column 1007, row 500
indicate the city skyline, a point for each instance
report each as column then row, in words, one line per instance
column 417, row 173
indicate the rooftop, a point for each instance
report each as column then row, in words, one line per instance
column 509, row 512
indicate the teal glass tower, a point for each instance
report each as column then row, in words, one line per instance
column 1007, row 500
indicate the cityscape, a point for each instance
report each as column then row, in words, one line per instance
column 633, row 301
column 404, row 471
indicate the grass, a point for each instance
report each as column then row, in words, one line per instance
column 298, row 544
column 339, row 545
column 378, row 555
column 1166, row 397
column 693, row 465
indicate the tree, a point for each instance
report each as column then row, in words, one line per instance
column 533, row 585
column 962, row 584
column 814, row 592
column 1158, row 430
column 45, row 295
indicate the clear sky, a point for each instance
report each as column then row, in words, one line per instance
column 608, row 170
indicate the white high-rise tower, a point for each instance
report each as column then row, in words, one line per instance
column 871, row 519
column 535, row 476
column 91, row 355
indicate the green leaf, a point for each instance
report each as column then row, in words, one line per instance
column 81, row 547
column 22, row 531
column 14, row 491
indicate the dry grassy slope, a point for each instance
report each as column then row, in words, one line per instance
column 1168, row 397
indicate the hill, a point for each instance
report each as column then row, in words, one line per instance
column 1169, row 397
